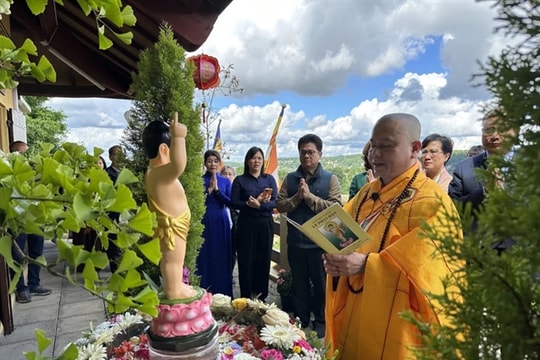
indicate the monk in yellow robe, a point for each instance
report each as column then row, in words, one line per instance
column 166, row 149
column 400, row 266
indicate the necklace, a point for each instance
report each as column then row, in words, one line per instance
column 382, row 242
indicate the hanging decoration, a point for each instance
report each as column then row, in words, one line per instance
column 206, row 73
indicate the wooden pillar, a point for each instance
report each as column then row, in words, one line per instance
column 6, row 315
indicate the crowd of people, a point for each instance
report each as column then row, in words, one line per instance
column 352, row 300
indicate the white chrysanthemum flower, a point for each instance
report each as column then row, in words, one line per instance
column 104, row 336
column 276, row 317
column 257, row 304
column 92, row 352
column 128, row 319
column 282, row 337
column 221, row 301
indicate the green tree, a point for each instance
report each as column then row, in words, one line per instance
column 43, row 124
column 497, row 315
column 163, row 85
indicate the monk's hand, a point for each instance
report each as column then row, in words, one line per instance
column 177, row 129
column 370, row 176
column 345, row 265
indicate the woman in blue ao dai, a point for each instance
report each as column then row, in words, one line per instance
column 214, row 259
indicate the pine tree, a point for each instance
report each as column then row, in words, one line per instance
column 163, row 85
column 497, row 315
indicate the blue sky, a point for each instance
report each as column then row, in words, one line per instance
column 339, row 66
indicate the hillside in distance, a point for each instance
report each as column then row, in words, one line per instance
column 343, row 166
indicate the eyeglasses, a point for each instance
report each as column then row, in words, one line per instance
column 489, row 130
column 309, row 153
column 431, row 152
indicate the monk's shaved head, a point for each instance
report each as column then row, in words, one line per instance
column 405, row 124
column 395, row 144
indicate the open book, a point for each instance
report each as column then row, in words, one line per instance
column 333, row 230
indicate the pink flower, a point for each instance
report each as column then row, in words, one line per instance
column 271, row 354
column 303, row 344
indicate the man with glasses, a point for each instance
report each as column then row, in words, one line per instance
column 465, row 186
column 305, row 192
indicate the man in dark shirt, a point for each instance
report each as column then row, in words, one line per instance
column 116, row 156
column 305, row 192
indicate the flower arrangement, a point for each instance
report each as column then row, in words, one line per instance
column 119, row 338
column 284, row 282
column 251, row 329
column 248, row 329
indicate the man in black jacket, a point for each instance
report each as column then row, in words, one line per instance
column 466, row 187
column 305, row 192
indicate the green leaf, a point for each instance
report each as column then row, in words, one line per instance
column 6, row 43
column 47, row 68
column 89, row 272
column 30, row 355
column 5, row 196
column 112, row 13
column 151, row 251
column 85, row 6
column 100, row 259
column 149, row 308
column 123, row 200
column 128, row 16
column 143, row 221
column 43, row 341
column 41, row 260
column 37, row 73
column 126, row 37
column 145, row 295
column 133, row 280
column 126, row 239
column 21, row 56
column 123, row 303
column 70, row 353
column 29, row 46
column 104, row 42
column 126, row 177
column 82, row 207
column 6, row 243
column 65, row 251
column 130, row 260
column 37, row 6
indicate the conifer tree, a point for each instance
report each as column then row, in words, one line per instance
column 497, row 314
column 163, row 85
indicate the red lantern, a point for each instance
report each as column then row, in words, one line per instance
column 206, row 73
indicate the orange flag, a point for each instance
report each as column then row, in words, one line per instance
column 271, row 163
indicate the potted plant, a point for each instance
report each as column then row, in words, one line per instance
column 284, row 288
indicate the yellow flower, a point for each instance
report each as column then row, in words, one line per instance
column 240, row 303
column 297, row 349
column 228, row 351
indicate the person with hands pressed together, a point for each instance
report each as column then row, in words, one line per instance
column 165, row 147
column 215, row 258
column 306, row 192
column 400, row 267
column 255, row 233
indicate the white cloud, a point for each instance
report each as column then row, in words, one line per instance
column 311, row 48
